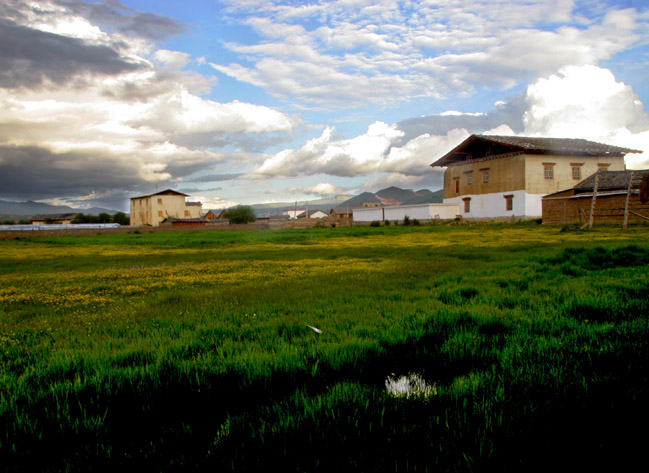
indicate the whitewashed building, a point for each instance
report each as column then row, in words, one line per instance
column 507, row 176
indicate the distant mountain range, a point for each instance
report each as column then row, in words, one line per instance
column 388, row 196
column 20, row 210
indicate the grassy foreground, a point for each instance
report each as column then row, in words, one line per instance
column 196, row 352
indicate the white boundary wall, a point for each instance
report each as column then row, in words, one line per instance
column 64, row 226
column 399, row 212
column 494, row 205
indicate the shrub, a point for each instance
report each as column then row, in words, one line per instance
column 240, row 214
column 406, row 220
column 103, row 218
column 375, row 223
column 415, row 222
column 121, row 218
column 387, row 223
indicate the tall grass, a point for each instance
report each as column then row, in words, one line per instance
column 193, row 351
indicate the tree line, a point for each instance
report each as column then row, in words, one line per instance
column 119, row 217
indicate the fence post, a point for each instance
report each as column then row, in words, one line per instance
column 626, row 204
column 592, row 202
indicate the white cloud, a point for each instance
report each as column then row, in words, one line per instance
column 138, row 120
column 373, row 151
column 175, row 59
column 351, row 157
column 587, row 102
column 320, row 189
column 213, row 202
column 391, row 51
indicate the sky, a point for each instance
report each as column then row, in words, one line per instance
column 251, row 101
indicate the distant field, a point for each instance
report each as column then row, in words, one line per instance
column 197, row 351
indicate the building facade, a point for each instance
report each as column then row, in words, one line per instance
column 151, row 210
column 507, row 176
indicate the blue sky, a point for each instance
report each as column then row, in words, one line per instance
column 258, row 101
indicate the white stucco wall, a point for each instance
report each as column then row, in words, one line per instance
column 368, row 214
column 399, row 212
column 494, row 205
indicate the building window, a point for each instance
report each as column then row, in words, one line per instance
column 160, row 213
column 509, row 202
column 576, row 173
column 549, row 172
column 160, row 201
column 485, row 177
column 467, row 205
column 186, row 213
column 603, row 166
column 469, row 178
column 457, row 186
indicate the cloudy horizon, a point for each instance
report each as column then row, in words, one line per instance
column 242, row 101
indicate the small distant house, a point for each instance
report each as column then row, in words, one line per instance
column 574, row 204
column 294, row 213
column 507, row 176
column 152, row 209
column 63, row 219
column 211, row 215
column 342, row 212
column 314, row 214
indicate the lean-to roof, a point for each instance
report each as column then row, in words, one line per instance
column 612, row 180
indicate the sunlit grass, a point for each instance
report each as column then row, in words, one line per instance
column 193, row 351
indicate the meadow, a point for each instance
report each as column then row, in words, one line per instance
column 498, row 347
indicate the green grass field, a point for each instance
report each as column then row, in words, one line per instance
column 196, row 352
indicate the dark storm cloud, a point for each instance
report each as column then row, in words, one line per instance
column 30, row 172
column 28, row 57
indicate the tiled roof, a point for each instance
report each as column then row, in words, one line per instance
column 185, row 220
column 558, row 145
column 569, row 146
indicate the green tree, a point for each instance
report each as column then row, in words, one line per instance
column 121, row 218
column 103, row 218
column 240, row 214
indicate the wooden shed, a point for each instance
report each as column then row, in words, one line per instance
column 616, row 193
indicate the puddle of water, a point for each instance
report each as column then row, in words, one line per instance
column 410, row 385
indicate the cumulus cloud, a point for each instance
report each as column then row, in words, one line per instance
column 588, row 102
column 350, row 157
column 372, row 152
column 83, row 111
column 321, row 189
column 578, row 102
